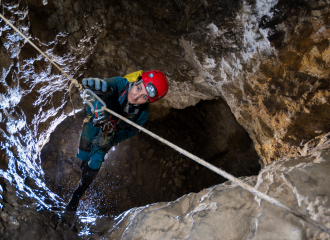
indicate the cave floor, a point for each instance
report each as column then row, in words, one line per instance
column 141, row 170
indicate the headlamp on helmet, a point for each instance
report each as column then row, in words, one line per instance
column 151, row 90
column 156, row 84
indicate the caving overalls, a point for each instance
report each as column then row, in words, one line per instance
column 89, row 151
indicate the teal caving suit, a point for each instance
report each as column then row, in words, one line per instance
column 89, row 150
column 116, row 101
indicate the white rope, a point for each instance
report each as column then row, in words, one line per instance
column 193, row 157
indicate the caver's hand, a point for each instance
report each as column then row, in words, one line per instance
column 97, row 85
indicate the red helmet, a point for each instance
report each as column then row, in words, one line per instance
column 156, row 84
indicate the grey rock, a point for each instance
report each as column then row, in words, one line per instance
column 231, row 205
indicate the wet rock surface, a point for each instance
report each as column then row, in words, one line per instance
column 213, row 213
column 269, row 60
column 20, row 218
column 142, row 170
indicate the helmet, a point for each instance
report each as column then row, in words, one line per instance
column 156, row 84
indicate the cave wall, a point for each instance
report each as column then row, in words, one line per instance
column 269, row 60
column 227, row 211
column 224, row 211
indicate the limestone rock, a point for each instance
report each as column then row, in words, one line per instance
column 227, row 211
column 270, row 67
column 267, row 59
column 224, row 211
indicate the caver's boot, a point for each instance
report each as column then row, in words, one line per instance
column 87, row 178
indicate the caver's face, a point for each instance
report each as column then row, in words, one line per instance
column 138, row 95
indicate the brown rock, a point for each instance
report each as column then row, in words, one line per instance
column 178, row 182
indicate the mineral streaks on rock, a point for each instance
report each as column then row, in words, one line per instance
column 270, row 62
column 227, row 211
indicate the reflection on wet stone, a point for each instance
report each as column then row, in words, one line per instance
column 261, row 65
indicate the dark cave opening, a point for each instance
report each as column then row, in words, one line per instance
column 142, row 170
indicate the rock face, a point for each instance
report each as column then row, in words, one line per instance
column 227, row 211
column 224, row 211
column 267, row 59
column 272, row 68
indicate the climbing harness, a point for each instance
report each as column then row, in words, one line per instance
column 99, row 119
column 182, row 151
column 107, row 126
